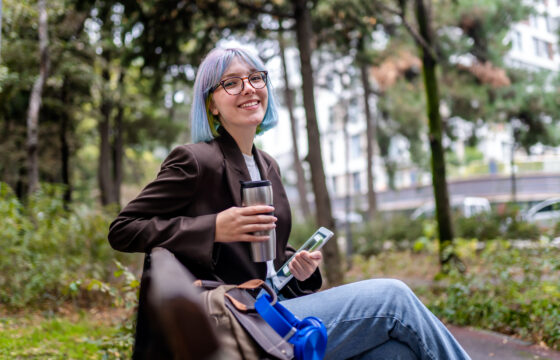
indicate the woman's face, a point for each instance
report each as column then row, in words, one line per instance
column 245, row 110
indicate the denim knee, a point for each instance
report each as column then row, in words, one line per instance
column 393, row 289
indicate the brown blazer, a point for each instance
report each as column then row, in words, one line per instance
column 178, row 211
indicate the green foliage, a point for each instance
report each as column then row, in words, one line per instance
column 556, row 231
column 518, row 229
column 481, row 227
column 48, row 248
column 531, row 106
column 508, row 289
column 397, row 229
column 421, row 234
column 119, row 345
column 301, row 231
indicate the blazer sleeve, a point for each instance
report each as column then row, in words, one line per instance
column 154, row 217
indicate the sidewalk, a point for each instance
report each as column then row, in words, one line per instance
column 482, row 345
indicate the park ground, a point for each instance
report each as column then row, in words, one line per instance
column 74, row 332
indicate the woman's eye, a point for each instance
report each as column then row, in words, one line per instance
column 231, row 83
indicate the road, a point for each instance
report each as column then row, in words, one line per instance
column 496, row 188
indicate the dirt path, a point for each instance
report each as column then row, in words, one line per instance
column 483, row 345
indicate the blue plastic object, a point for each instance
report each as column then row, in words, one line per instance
column 309, row 336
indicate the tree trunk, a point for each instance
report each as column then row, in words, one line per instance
column 117, row 144
column 512, row 173
column 370, row 135
column 348, row 185
column 106, row 185
column 288, row 94
column 35, row 102
column 65, row 147
column 118, row 154
column 439, row 181
column 0, row 28
column 324, row 216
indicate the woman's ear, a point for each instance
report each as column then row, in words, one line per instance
column 213, row 108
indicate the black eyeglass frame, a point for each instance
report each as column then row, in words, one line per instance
column 221, row 83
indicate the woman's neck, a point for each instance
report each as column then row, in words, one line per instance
column 244, row 139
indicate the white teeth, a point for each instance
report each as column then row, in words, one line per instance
column 252, row 103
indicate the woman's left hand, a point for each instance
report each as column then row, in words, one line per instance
column 304, row 264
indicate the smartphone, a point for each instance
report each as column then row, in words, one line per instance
column 315, row 242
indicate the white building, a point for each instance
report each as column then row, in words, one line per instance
column 534, row 46
column 535, row 40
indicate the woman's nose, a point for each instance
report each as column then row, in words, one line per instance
column 247, row 87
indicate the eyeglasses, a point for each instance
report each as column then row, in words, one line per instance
column 235, row 84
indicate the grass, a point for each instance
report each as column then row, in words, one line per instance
column 71, row 334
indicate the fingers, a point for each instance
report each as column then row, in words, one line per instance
column 249, row 228
column 316, row 255
column 253, row 238
column 304, row 264
column 239, row 223
column 259, row 214
column 256, row 209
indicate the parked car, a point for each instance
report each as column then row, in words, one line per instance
column 467, row 206
column 544, row 214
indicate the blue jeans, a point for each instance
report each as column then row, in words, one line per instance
column 377, row 319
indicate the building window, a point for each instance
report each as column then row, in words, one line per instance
column 353, row 110
column 333, row 184
column 534, row 21
column 355, row 148
column 331, row 117
column 542, row 48
column 516, row 42
column 357, row 183
column 331, row 151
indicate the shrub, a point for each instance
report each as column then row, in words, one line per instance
column 48, row 247
column 301, row 231
column 481, row 227
column 518, row 229
column 397, row 229
column 513, row 291
column 556, row 230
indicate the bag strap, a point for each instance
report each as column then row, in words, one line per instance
column 208, row 284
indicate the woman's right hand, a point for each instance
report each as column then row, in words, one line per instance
column 238, row 223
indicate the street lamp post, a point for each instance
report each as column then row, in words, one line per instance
column 515, row 128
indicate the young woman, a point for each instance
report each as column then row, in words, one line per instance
column 193, row 208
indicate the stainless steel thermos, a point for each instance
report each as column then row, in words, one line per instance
column 260, row 193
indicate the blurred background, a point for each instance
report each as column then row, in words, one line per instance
column 424, row 132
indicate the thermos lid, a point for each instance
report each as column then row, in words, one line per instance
column 252, row 184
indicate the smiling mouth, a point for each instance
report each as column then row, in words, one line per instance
column 249, row 104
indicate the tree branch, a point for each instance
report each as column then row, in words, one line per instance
column 262, row 10
column 412, row 31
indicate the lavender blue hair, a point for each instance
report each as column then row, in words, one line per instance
column 210, row 71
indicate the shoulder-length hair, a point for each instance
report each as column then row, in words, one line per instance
column 204, row 124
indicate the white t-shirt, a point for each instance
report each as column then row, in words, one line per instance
column 255, row 176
